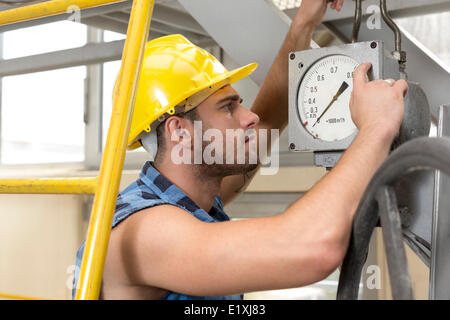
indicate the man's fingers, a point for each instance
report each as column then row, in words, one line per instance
column 360, row 74
column 402, row 85
column 336, row 4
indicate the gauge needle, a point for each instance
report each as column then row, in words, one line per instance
column 341, row 90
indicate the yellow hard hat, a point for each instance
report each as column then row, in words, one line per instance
column 176, row 76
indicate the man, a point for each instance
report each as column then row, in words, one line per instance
column 162, row 245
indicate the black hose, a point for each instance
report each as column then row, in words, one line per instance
column 418, row 154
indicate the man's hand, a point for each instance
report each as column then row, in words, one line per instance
column 311, row 12
column 377, row 106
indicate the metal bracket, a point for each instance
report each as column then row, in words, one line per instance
column 398, row 53
column 440, row 255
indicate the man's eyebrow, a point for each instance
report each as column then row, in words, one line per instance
column 234, row 97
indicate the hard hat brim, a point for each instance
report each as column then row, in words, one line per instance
column 243, row 72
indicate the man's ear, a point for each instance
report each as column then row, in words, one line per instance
column 177, row 130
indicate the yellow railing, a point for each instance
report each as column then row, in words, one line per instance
column 8, row 296
column 48, row 8
column 49, row 186
column 106, row 186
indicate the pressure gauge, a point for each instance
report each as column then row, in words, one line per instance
column 320, row 87
column 324, row 98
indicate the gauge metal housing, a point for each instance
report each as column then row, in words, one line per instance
column 299, row 63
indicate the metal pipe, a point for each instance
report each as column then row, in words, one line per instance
column 49, row 186
column 357, row 20
column 48, row 8
column 392, row 25
column 92, row 265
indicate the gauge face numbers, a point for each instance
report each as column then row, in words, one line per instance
column 324, row 98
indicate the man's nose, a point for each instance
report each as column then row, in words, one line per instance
column 248, row 119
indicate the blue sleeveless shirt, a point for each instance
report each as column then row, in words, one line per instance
column 153, row 189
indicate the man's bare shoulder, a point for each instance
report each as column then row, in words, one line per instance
column 165, row 213
column 150, row 232
column 156, row 224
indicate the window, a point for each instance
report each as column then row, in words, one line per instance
column 109, row 36
column 30, row 41
column 287, row 4
column 42, row 113
column 322, row 290
column 42, row 117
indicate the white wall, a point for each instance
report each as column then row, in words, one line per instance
column 39, row 235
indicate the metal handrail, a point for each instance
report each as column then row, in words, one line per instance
column 49, row 186
column 17, row 297
column 106, row 186
column 48, row 8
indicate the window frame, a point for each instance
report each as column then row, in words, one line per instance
column 38, row 166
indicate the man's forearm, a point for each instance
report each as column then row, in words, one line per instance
column 331, row 204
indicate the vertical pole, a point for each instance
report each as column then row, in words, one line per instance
column 93, row 106
column 357, row 20
column 92, row 265
column 1, row 95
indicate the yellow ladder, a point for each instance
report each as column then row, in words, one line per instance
column 106, row 185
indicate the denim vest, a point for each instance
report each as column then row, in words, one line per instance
column 153, row 189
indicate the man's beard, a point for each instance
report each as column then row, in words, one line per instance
column 221, row 170
column 224, row 170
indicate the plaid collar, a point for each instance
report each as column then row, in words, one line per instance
column 170, row 193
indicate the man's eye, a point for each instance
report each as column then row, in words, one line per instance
column 227, row 107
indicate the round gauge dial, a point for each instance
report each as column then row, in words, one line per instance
column 324, row 98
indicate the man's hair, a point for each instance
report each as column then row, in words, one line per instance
column 191, row 115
